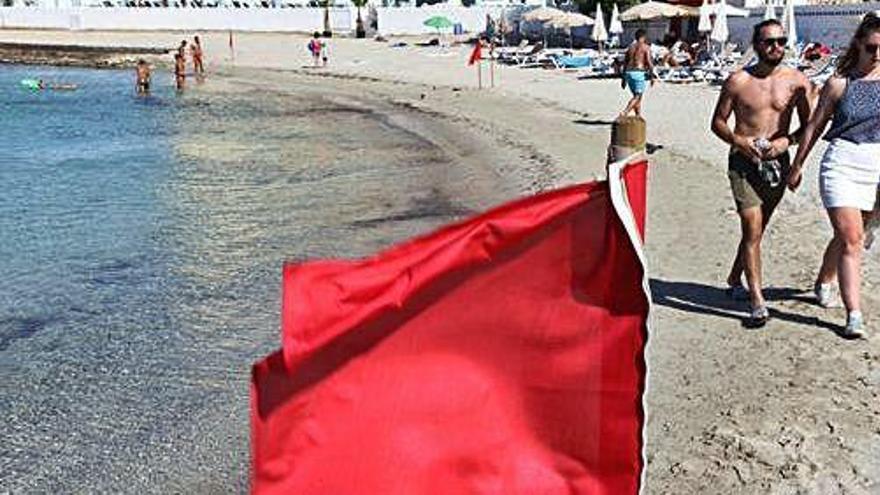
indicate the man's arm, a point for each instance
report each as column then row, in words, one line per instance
column 831, row 93
column 649, row 63
column 802, row 103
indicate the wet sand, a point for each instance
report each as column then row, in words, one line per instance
column 791, row 408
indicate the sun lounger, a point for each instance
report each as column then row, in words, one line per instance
column 545, row 59
column 530, row 55
column 573, row 62
column 508, row 51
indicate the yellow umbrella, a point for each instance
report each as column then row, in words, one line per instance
column 570, row 20
column 653, row 10
column 542, row 14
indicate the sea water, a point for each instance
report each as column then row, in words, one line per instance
column 141, row 247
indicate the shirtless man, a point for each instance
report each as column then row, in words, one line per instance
column 142, row 77
column 762, row 98
column 637, row 69
column 179, row 71
column 196, row 49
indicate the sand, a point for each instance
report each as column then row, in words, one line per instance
column 790, row 408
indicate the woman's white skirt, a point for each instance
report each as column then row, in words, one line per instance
column 849, row 175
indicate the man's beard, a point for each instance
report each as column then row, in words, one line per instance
column 770, row 60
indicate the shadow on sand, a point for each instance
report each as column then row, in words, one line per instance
column 704, row 299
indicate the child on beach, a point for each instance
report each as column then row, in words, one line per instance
column 315, row 47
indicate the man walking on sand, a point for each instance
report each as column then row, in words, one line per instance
column 762, row 98
column 637, row 69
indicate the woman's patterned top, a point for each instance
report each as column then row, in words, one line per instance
column 857, row 116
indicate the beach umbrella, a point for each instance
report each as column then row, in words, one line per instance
column 653, row 10
column 769, row 11
column 705, row 24
column 438, row 22
column 788, row 23
column 569, row 20
column 615, row 26
column 713, row 8
column 720, row 33
column 542, row 14
column 599, row 34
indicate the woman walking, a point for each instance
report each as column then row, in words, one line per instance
column 850, row 169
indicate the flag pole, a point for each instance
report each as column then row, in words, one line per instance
column 491, row 65
column 628, row 137
column 479, row 65
column 491, row 73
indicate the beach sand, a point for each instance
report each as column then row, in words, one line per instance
column 790, row 408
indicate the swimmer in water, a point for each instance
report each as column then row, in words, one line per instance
column 142, row 79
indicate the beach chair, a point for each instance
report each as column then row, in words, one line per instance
column 505, row 52
column 573, row 61
column 513, row 54
column 547, row 58
column 529, row 56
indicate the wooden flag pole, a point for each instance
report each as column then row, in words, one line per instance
column 628, row 137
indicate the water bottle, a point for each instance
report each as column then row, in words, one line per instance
column 769, row 170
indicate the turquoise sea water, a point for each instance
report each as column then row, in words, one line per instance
column 98, row 355
column 141, row 246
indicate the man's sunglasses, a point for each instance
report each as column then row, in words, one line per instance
column 781, row 41
column 871, row 49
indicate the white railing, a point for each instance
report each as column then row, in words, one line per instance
column 303, row 20
column 410, row 20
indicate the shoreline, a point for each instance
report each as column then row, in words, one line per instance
column 86, row 56
column 788, row 408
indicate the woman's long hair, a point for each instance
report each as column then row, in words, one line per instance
column 848, row 62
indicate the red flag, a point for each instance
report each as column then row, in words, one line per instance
column 500, row 355
column 476, row 54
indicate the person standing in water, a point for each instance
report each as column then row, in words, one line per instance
column 142, row 77
column 179, row 71
column 197, row 56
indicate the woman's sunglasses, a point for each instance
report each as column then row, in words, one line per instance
column 780, row 41
column 871, row 49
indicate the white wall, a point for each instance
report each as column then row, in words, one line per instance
column 833, row 25
column 409, row 20
column 122, row 18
